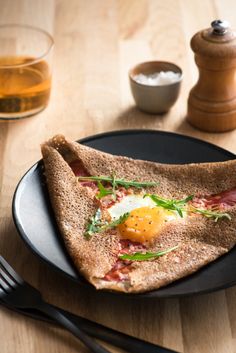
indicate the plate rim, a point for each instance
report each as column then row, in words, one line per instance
column 85, row 283
column 152, row 131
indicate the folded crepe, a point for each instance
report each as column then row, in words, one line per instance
column 196, row 239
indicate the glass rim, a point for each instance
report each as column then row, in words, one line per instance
column 33, row 28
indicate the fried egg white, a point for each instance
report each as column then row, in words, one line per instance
column 145, row 221
column 129, row 203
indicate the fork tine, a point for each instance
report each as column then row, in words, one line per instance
column 10, row 271
column 3, row 285
column 2, row 293
column 6, row 278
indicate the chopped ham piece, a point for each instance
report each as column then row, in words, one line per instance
column 223, row 200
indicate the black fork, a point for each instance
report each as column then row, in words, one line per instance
column 16, row 292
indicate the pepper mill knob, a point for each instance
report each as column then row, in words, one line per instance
column 220, row 27
column 212, row 101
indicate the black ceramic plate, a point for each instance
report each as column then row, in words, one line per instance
column 35, row 222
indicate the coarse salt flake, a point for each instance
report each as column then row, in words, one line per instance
column 158, row 78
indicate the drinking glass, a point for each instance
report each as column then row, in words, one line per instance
column 25, row 70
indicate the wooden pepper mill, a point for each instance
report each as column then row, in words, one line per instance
column 212, row 101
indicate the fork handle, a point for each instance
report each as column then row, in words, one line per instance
column 70, row 326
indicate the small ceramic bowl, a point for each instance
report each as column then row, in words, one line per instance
column 156, row 99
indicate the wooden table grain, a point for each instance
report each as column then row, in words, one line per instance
column 96, row 42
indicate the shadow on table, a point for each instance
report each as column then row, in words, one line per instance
column 133, row 118
column 187, row 129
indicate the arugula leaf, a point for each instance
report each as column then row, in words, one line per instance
column 103, row 191
column 174, row 205
column 211, row 214
column 179, row 206
column 139, row 256
column 122, row 182
column 116, row 222
column 96, row 225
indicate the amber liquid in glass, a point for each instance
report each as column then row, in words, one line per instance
column 24, row 90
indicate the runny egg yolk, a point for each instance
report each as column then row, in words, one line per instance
column 145, row 223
